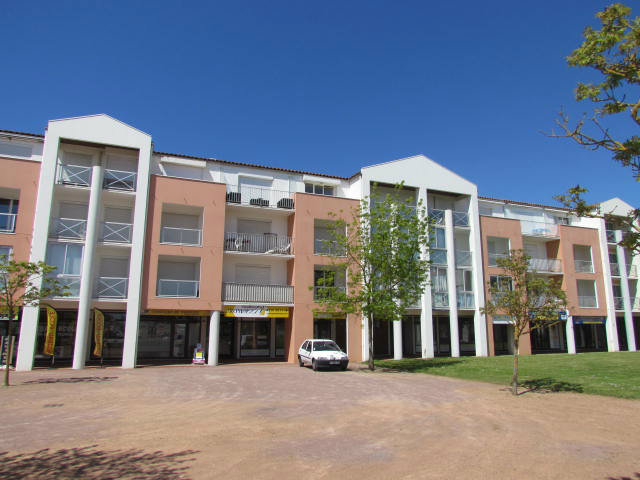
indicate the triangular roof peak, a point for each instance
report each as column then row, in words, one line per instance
column 102, row 116
column 615, row 206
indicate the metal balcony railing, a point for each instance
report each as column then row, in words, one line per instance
column 119, row 180
column 178, row 288
column 552, row 265
column 493, row 258
column 538, row 229
column 7, row 222
column 436, row 216
column 74, row 175
column 111, row 287
column 465, row 300
column 618, row 303
column 460, row 219
column 611, row 236
column 322, row 291
column 584, row 266
column 243, row 292
column 69, row 228
column 267, row 243
column 115, row 232
column 328, row 247
column 71, row 282
column 632, row 271
column 439, row 299
column 181, row 236
column 587, row 302
column 463, row 258
column 259, row 197
column 615, row 269
column 438, row 256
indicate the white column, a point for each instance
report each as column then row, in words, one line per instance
column 365, row 339
column 475, row 244
column 397, row 339
column 426, row 312
column 214, row 338
column 88, row 263
column 571, row 339
column 626, row 296
column 610, row 326
column 451, row 283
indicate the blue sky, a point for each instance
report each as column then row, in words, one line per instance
column 323, row 86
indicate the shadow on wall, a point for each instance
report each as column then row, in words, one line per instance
column 549, row 385
column 90, row 463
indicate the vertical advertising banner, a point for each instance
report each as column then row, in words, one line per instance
column 50, row 337
column 98, row 332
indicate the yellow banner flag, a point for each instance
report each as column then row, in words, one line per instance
column 98, row 332
column 50, row 337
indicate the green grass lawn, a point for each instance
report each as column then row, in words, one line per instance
column 613, row 374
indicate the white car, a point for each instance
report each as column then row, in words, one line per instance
column 322, row 353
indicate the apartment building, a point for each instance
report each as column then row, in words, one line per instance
column 178, row 250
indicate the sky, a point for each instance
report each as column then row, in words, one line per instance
column 327, row 86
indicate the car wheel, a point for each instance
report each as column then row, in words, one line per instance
column 343, row 367
column 300, row 362
column 314, row 365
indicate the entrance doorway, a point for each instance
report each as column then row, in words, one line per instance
column 590, row 334
column 441, row 337
column 551, row 339
column 332, row 329
column 170, row 337
column 502, row 339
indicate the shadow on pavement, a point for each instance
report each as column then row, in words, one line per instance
column 419, row 364
column 71, row 380
column 635, row 476
column 549, row 385
column 90, row 463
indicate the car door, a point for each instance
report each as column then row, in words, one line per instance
column 305, row 353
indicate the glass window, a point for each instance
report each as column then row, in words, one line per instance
column 67, row 258
column 439, row 279
column 308, row 187
column 5, row 253
column 504, row 283
column 464, row 280
column 438, row 238
column 319, row 189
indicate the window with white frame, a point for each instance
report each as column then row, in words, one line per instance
column 8, row 215
column 320, row 189
column 5, row 253
column 587, row 297
column 464, row 282
column 503, row 283
column 66, row 257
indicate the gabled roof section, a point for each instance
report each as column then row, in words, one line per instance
column 615, row 206
column 99, row 116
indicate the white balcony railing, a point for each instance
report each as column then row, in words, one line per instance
column 587, row 302
column 115, row 232
column 465, row 300
column 493, row 258
column 181, row 236
column 436, row 216
column 618, row 303
column 440, row 299
column 257, row 243
column 259, row 197
column 243, row 292
column 552, row 265
column 111, row 287
column 69, row 228
column 74, row 175
column 461, row 219
column 119, row 180
column 538, row 229
column 7, row 222
column 438, row 256
column 463, row 258
column 178, row 288
column 584, row 266
column 327, row 247
column 611, row 236
column 615, row 269
column 324, row 290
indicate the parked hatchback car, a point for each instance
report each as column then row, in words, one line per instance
column 322, row 353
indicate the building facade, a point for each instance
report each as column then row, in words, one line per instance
column 178, row 250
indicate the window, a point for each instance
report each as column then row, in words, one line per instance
column 8, row 213
column 582, row 258
column 587, row 294
column 319, row 189
column 439, row 279
column 66, row 257
column 504, row 283
column 5, row 254
column 464, row 280
column 438, row 238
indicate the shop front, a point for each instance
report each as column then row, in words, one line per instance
column 331, row 329
column 253, row 332
column 590, row 334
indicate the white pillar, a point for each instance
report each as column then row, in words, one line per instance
column 626, row 296
column 426, row 312
column 88, row 263
column 451, row 284
column 365, row 338
column 571, row 339
column 214, row 338
column 475, row 244
column 397, row 339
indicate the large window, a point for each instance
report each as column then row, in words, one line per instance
column 464, row 281
column 587, row 294
column 5, row 253
column 319, row 189
column 8, row 214
column 498, row 247
column 504, row 283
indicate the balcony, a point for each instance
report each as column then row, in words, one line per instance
column 632, row 271
column 439, row 299
column 463, row 258
column 267, row 243
column 111, row 287
column 71, row 228
column 611, row 236
column 438, row 256
column 178, row 288
column 583, row 266
column 320, row 292
column 7, row 222
column 538, row 229
column 242, row 292
column 618, row 303
column 71, row 282
column 545, row 265
column 615, row 269
column 460, row 219
column 119, row 180
column 259, row 197
column 465, row 300
column 76, row 175
column 587, row 302
column 493, row 258
column 115, row 232
column 181, row 236
column 436, row 216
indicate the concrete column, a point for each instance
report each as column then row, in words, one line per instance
column 451, row 283
column 571, row 339
column 88, row 264
column 626, row 295
column 475, row 244
column 365, row 339
column 214, row 338
column 426, row 312
column 397, row 339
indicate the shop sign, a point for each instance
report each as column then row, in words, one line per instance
column 589, row 320
column 4, row 314
column 50, row 336
column 179, row 313
column 255, row 311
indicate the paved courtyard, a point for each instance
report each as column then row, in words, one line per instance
column 282, row 421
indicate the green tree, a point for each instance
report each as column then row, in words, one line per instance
column 612, row 51
column 379, row 268
column 532, row 301
column 19, row 288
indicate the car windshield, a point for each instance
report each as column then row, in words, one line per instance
column 325, row 347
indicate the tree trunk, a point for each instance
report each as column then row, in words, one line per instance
column 7, row 367
column 514, row 380
column 372, row 366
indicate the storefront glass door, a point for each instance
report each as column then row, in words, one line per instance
column 255, row 337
